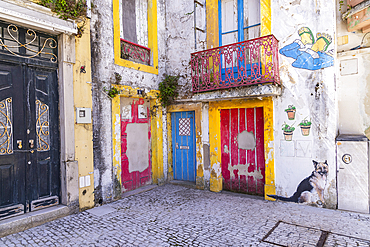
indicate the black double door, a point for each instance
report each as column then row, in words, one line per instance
column 29, row 137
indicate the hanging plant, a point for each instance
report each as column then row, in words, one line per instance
column 112, row 92
column 168, row 90
column 68, row 9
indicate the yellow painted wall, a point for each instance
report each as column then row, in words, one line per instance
column 156, row 131
column 212, row 23
column 83, row 132
column 197, row 108
column 265, row 17
column 215, row 139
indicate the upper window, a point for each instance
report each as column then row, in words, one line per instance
column 239, row 20
column 134, row 21
column 135, row 34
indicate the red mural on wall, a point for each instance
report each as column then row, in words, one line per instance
column 242, row 150
column 133, row 177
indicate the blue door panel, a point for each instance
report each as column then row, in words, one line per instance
column 183, row 145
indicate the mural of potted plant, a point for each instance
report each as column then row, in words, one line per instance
column 291, row 112
column 288, row 131
column 305, row 127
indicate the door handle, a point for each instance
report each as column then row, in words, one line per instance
column 19, row 142
column 31, row 142
column 177, row 145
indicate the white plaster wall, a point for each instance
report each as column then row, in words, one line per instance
column 353, row 89
column 311, row 92
column 103, row 67
column 180, row 41
column 354, row 93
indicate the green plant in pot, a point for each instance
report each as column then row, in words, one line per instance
column 288, row 131
column 291, row 112
column 305, row 127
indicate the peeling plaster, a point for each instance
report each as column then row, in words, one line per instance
column 216, row 170
column 243, row 170
column 270, row 152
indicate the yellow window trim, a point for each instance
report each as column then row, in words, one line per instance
column 152, row 39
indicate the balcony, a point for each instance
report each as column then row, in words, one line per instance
column 135, row 52
column 358, row 17
column 240, row 64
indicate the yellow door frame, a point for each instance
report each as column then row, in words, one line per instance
column 197, row 108
column 156, row 131
column 215, row 140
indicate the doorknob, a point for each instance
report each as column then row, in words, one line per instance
column 177, row 145
column 19, row 142
column 31, row 143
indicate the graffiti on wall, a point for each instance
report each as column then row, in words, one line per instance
column 309, row 53
column 288, row 130
column 305, row 126
column 309, row 187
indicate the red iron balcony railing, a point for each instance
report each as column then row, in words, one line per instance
column 241, row 64
column 134, row 52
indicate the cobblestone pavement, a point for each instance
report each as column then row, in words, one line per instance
column 173, row 215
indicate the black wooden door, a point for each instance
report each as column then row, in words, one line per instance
column 29, row 137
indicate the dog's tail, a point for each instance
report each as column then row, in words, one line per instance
column 285, row 199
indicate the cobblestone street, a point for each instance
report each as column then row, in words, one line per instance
column 173, row 215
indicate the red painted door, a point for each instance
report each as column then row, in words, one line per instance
column 242, row 150
column 135, row 145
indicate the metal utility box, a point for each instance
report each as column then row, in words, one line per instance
column 83, row 115
column 353, row 173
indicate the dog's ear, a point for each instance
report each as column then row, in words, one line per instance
column 326, row 162
column 315, row 163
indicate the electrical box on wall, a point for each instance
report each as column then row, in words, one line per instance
column 83, row 115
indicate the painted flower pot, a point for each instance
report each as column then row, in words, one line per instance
column 288, row 136
column 291, row 114
column 305, row 130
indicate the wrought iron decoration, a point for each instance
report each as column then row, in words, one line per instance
column 6, row 129
column 49, row 42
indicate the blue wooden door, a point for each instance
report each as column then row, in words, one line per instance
column 183, row 146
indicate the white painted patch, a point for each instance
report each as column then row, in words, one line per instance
column 304, row 149
column 246, row 140
column 287, row 148
column 126, row 112
column 137, row 147
column 217, row 168
column 142, row 111
column 270, row 152
column 243, row 170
